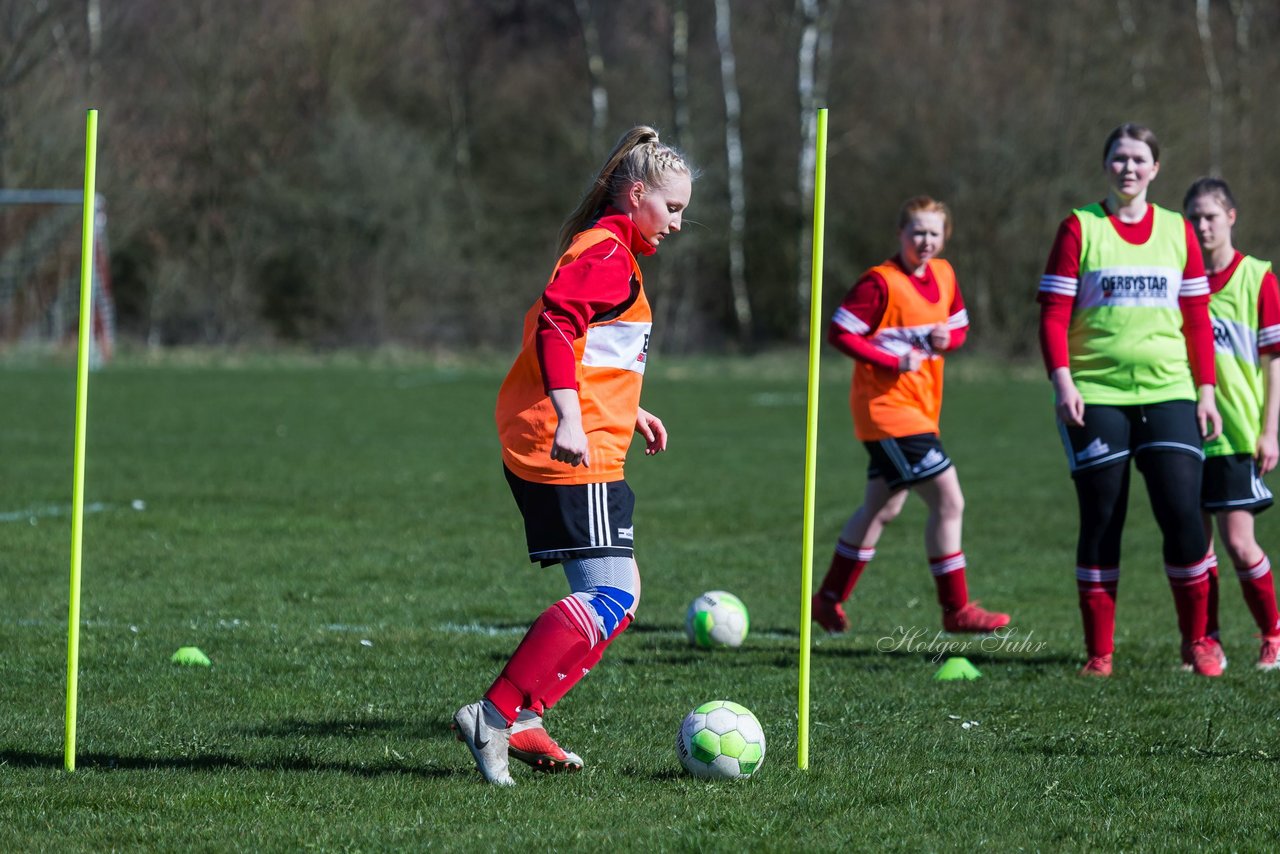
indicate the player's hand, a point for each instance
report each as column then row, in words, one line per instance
column 1267, row 453
column 1207, row 414
column 910, row 361
column 651, row 428
column 570, row 444
column 940, row 337
column 1068, row 405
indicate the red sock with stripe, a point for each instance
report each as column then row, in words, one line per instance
column 847, row 564
column 572, row 675
column 1211, row 627
column 562, row 635
column 1096, row 587
column 948, row 575
column 1258, row 586
column 1190, row 587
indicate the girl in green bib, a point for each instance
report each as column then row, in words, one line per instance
column 1125, row 332
column 1245, row 308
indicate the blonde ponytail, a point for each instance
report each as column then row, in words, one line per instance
column 638, row 156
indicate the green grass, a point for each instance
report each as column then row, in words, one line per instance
column 339, row 540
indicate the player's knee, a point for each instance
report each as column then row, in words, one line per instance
column 1241, row 548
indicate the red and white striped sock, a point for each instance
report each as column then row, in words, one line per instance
column 572, row 675
column 1190, row 587
column 560, row 637
column 1097, row 587
column 847, row 564
column 949, row 575
column 1258, row 586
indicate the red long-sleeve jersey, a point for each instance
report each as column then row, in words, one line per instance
column 862, row 309
column 590, row 287
column 1268, row 305
column 1062, row 273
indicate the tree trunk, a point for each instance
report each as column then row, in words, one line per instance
column 1129, row 26
column 680, row 284
column 1215, row 86
column 814, row 73
column 1243, row 12
column 459, row 118
column 737, row 187
column 595, row 69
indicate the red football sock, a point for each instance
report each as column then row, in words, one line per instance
column 846, row 566
column 1097, row 587
column 1190, row 587
column 948, row 575
column 1258, row 586
column 565, row 632
column 1211, row 627
column 569, row 676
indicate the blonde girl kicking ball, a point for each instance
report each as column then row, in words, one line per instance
column 565, row 416
column 1245, row 308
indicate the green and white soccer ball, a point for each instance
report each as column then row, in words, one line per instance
column 716, row 619
column 720, row 740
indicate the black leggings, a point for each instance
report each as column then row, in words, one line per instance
column 1173, row 484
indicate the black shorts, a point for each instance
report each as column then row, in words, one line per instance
column 574, row 521
column 1232, row 482
column 907, row 460
column 1112, row 434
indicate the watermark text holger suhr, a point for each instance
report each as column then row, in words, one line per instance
column 916, row 640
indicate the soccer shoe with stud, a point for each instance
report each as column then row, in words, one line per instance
column 1188, row 660
column 1207, row 658
column 1098, row 667
column 829, row 614
column 532, row 745
column 488, row 744
column 1269, row 655
column 973, row 619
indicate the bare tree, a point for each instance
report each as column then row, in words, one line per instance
column 1243, row 12
column 680, row 302
column 1215, row 86
column 26, row 29
column 595, row 68
column 737, row 186
column 814, row 63
column 1129, row 25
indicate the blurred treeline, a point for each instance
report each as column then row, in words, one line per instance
column 395, row 171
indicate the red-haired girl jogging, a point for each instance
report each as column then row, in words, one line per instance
column 896, row 323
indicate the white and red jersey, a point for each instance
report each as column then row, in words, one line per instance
column 1268, row 305
column 588, row 331
column 589, row 287
column 889, row 312
column 1059, row 287
column 862, row 310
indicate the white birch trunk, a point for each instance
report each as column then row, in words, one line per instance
column 595, row 70
column 737, row 187
column 1215, row 86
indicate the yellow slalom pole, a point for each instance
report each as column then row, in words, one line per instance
column 82, row 411
column 811, row 434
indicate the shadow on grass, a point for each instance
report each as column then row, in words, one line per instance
column 219, row 762
column 331, row 728
column 978, row 659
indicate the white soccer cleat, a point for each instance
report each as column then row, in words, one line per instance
column 488, row 743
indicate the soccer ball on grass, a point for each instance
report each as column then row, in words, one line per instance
column 716, row 619
column 720, row 740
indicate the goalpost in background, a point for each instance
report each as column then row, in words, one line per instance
column 40, row 273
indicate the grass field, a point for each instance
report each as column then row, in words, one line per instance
column 339, row 540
